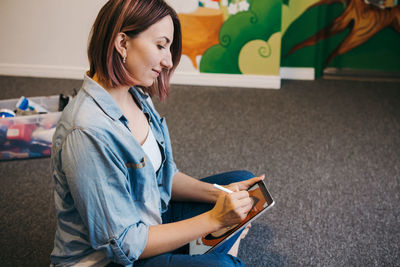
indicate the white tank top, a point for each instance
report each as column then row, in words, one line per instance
column 152, row 150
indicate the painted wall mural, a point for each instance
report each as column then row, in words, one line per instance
column 200, row 30
column 341, row 33
column 259, row 36
column 230, row 36
column 291, row 10
column 363, row 19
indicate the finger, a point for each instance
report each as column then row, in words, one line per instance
column 239, row 195
column 254, row 179
column 248, row 208
column 244, row 233
column 257, row 178
column 235, row 188
column 249, row 205
column 248, row 183
column 244, row 213
column 244, row 203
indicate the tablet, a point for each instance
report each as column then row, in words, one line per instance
column 262, row 201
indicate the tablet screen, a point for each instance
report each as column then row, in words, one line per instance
column 262, row 200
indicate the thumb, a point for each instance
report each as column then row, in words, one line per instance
column 235, row 188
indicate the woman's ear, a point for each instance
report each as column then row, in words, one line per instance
column 120, row 44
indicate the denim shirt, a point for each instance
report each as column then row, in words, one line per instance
column 105, row 188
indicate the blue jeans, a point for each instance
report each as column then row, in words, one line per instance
column 183, row 210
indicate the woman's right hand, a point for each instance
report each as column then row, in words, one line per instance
column 231, row 208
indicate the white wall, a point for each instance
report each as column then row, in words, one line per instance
column 46, row 38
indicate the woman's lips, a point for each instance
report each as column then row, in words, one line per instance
column 156, row 72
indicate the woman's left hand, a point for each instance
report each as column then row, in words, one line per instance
column 244, row 185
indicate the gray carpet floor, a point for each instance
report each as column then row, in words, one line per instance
column 330, row 150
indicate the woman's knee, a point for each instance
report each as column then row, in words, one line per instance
column 229, row 177
column 238, row 176
column 243, row 174
column 223, row 260
column 184, row 260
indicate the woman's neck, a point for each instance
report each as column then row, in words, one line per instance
column 119, row 94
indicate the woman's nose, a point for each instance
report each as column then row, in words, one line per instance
column 167, row 61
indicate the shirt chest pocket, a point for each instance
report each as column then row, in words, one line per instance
column 138, row 177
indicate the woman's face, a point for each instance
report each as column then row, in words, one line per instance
column 149, row 52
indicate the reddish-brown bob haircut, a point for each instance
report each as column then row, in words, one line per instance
column 130, row 17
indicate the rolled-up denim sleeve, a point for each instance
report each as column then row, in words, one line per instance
column 101, row 194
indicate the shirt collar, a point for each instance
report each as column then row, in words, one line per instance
column 136, row 96
column 103, row 99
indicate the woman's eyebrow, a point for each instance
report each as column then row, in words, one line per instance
column 167, row 40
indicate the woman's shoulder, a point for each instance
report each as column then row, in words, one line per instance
column 83, row 114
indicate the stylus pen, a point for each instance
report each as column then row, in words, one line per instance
column 226, row 190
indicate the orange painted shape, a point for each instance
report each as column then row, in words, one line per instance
column 200, row 30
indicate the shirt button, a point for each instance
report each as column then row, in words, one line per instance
column 112, row 242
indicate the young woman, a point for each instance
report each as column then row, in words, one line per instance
column 112, row 164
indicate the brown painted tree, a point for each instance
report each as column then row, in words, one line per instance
column 363, row 20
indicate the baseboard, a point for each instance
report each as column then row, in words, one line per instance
column 297, row 73
column 42, row 71
column 209, row 79
column 361, row 75
column 228, row 80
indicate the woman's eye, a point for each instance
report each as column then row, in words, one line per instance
column 160, row 47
